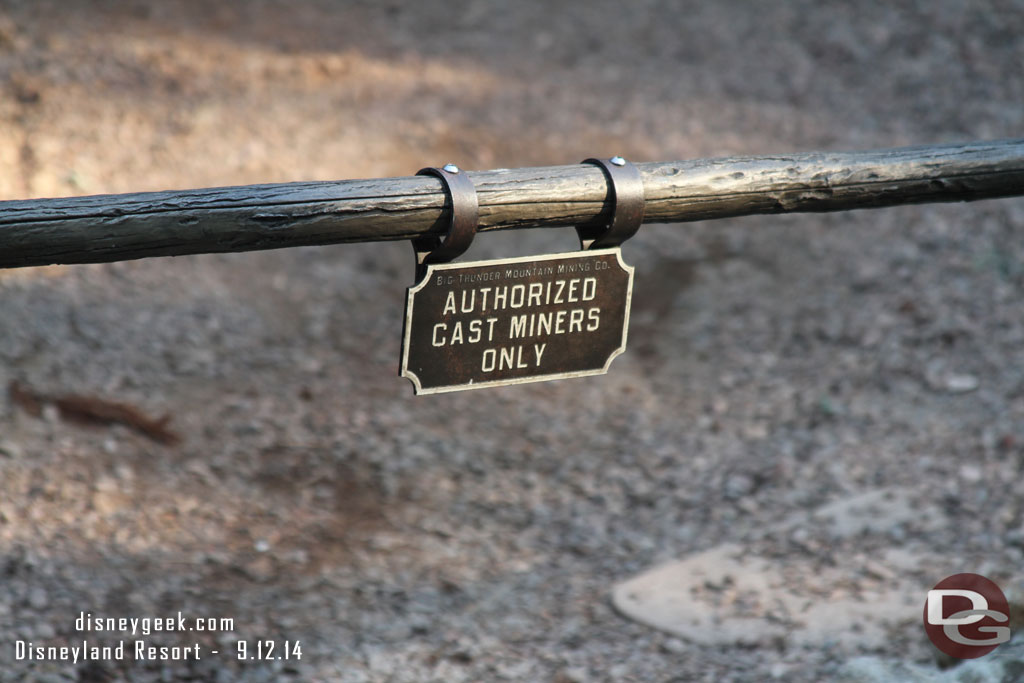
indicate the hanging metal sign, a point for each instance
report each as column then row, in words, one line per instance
column 516, row 320
column 510, row 321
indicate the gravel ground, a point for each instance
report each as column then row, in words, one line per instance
column 777, row 365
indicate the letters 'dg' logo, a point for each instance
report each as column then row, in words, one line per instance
column 967, row 616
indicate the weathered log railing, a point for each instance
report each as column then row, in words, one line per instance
column 119, row 227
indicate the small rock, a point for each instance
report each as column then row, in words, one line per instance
column 45, row 631
column 738, row 485
column 575, row 674
column 879, row 571
column 961, row 384
column 756, row 431
column 619, row 672
column 971, row 474
column 674, row 646
column 420, row 624
column 37, row 598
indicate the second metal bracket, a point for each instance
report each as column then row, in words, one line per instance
column 626, row 191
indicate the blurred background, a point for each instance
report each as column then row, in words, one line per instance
column 840, row 396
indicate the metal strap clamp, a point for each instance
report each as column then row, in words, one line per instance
column 626, row 193
column 462, row 225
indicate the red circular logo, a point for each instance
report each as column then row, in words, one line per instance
column 967, row 616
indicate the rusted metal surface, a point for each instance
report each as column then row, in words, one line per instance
column 510, row 321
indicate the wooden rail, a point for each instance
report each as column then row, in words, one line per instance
column 119, row 227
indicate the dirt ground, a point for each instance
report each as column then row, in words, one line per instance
column 777, row 365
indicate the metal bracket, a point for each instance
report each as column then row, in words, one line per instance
column 626, row 192
column 462, row 226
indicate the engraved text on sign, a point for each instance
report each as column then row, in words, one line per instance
column 508, row 321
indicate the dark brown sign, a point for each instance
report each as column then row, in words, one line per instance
column 509, row 321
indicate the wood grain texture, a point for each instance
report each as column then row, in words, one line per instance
column 105, row 228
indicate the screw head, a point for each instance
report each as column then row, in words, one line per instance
column 451, row 168
column 618, row 161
